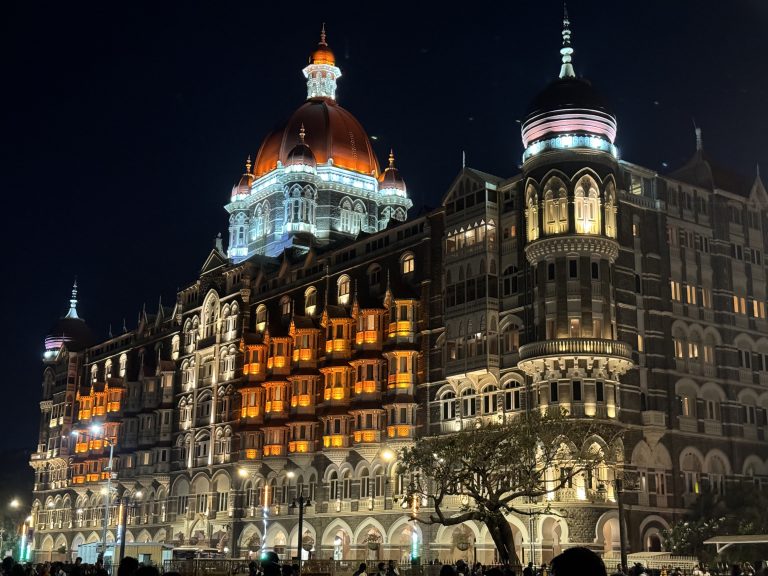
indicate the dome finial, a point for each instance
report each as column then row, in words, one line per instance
column 73, row 302
column 391, row 158
column 248, row 164
column 302, row 133
column 566, row 69
column 322, row 35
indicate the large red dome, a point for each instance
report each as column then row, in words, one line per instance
column 331, row 132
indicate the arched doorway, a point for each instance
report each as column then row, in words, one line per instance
column 551, row 538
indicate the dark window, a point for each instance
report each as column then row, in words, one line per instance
column 553, row 392
column 573, row 269
column 576, row 391
column 550, row 271
column 595, row 270
column 599, row 395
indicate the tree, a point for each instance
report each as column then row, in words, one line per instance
column 499, row 468
column 738, row 512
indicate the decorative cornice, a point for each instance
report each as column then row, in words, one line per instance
column 583, row 244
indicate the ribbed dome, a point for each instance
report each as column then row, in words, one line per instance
column 391, row 178
column 566, row 93
column 301, row 154
column 243, row 187
column 72, row 331
column 568, row 106
column 331, row 132
column 322, row 54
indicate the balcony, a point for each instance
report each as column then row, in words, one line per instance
column 300, row 446
column 336, row 441
column 764, row 378
column 576, row 346
column 654, row 418
column 746, row 375
column 688, row 423
column 400, row 431
column 713, row 427
column 366, row 436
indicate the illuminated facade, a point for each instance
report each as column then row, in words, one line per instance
column 307, row 354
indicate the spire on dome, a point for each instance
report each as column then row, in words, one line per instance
column 699, row 140
column 391, row 158
column 248, row 164
column 322, row 72
column 73, row 303
column 302, row 133
column 566, row 69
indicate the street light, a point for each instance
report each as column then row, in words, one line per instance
column 299, row 502
column 96, row 430
column 245, row 473
column 123, row 519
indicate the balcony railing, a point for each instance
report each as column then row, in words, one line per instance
column 568, row 346
column 654, row 418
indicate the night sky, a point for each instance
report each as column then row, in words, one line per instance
column 125, row 125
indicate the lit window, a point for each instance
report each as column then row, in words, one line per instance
column 343, row 289
column 310, row 300
column 407, row 263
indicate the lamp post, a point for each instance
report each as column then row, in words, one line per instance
column 619, row 487
column 95, row 430
column 300, row 502
column 244, row 473
column 125, row 507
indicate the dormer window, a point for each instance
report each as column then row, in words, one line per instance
column 343, row 290
column 261, row 318
column 310, row 301
column 407, row 263
column 285, row 305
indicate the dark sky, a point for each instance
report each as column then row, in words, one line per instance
column 126, row 124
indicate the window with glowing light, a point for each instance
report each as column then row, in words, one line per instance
column 407, row 263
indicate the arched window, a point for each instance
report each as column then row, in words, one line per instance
column 123, row 365
column 285, row 305
column 532, row 213
column 108, row 369
column 610, row 209
column 374, row 275
column 261, row 317
column 509, row 282
column 343, row 290
column 555, row 207
column 512, row 396
column 468, row 407
column 489, row 399
column 587, row 206
column 448, row 406
column 407, row 263
column 310, row 300
column 346, row 216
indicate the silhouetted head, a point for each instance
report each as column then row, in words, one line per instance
column 577, row 562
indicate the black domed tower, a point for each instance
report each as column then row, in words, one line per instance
column 570, row 170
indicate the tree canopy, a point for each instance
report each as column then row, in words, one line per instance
column 498, row 468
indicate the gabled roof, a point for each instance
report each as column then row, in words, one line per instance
column 702, row 171
column 477, row 176
column 214, row 261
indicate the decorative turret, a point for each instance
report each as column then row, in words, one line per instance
column 393, row 193
column 70, row 330
column 300, row 190
column 568, row 113
column 243, row 186
column 570, row 172
column 322, row 72
column 239, row 221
